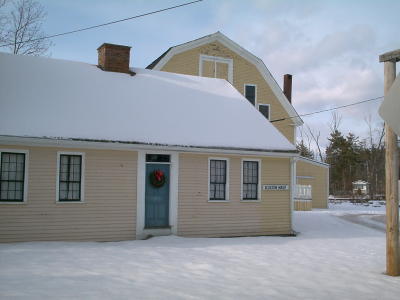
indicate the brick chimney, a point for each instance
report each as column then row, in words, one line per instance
column 114, row 58
column 287, row 86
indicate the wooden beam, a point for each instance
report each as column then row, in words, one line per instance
column 393, row 56
column 392, row 177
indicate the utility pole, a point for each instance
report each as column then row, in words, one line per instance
column 392, row 174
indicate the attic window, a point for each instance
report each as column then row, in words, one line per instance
column 216, row 67
column 250, row 93
column 265, row 110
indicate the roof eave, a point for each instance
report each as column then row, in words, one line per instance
column 132, row 145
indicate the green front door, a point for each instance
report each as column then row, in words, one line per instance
column 157, row 197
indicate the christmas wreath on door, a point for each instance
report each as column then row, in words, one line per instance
column 157, row 178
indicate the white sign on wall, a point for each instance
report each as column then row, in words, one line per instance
column 275, row 187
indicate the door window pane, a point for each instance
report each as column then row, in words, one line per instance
column 157, row 158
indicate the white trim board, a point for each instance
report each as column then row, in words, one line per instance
column 314, row 162
column 68, row 143
column 26, row 174
column 224, row 40
column 305, row 177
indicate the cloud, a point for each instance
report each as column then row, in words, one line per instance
column 330, row 69
column 300, row 53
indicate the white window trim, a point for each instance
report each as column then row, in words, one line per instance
column 244, row 92
column 26, row 174
column 217, row 59
column 259, row 181
column 227, row 179
column 269, row 110
column 82, row 195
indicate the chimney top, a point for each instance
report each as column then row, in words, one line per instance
column 114, row 58
column 287, row 86
column 114, row 46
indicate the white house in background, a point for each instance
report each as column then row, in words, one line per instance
column 112, row 153
column 360, row 187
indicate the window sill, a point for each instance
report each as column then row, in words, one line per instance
column 9, row 202
column 69, row 202
column 219, row 201
column 250, row 200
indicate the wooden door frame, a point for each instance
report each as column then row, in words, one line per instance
column 141, row 232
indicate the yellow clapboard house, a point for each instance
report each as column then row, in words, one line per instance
column 218, row 56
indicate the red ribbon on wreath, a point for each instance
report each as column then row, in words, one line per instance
column 157, row 178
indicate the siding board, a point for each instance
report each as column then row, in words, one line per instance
column 199, row 217
column 318, row 181
column 109, row 210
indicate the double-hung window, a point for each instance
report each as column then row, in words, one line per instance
column 218, row 179
column 70, row 177
column 250, row 92
column 250, row 180
column 13, row 176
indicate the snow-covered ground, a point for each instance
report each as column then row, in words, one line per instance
column 331, row 258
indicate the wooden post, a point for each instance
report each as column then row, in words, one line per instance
column 392, row 176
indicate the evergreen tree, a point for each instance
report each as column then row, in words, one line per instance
column 304, row 150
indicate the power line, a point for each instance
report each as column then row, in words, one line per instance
column 325, row 110
column 104, row 24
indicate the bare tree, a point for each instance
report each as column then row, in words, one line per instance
column 3, row 20
column 336, row 120
column 22, row 30
column 375, row 156
column 303, row 144
column 315, row 136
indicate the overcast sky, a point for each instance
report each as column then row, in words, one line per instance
column 331, row 47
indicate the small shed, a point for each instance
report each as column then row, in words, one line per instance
column 360, row 187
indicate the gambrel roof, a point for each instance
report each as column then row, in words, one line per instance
column 256, row 61
column 57, row 99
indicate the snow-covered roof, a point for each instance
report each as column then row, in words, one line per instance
column 44, row 97
column 360, row 182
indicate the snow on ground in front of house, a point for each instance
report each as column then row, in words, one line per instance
column 331, row 258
